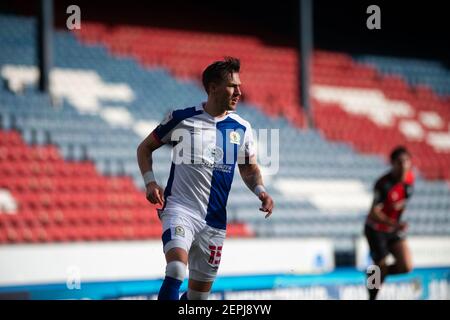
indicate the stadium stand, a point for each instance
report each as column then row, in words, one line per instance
column 50, row 199
column 111, row 88
column 416, row 71
column 383, row 104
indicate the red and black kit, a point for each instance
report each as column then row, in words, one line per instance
column 393, row 195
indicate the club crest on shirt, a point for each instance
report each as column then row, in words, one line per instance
column 213, row 153
column 394, row 196
column 235, row 137
column 179, row 231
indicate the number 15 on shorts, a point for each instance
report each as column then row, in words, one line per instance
column 215, row 254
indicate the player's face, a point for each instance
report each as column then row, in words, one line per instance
column 228, row 92
column 402, row 164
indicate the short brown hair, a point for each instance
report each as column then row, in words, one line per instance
column 218, row 71
column 398, row 151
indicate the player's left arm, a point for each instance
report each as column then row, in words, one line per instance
column 251, row 175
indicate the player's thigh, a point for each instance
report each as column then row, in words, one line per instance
column 205, row 256
column 402, row 254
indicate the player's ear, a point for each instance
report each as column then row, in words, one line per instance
column 212, row 87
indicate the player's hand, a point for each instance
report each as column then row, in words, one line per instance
column 267, row 203
column 155, row 193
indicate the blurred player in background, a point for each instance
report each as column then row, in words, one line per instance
column 194, row 202
column 384, row 231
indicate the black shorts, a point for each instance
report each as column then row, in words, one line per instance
column 380, row 242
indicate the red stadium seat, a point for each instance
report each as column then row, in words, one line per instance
column 67, row 201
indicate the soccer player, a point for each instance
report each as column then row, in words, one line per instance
column 212, row 138
column 384, row 230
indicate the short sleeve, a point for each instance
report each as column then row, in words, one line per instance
column 247, row 149
column 163, row 131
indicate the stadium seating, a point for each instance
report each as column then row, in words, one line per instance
column 415, row 71
column 112, row 85
column 385, row 106
column 60, row 200
column 271, row 84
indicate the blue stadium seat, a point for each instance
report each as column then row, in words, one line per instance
column 305, row 154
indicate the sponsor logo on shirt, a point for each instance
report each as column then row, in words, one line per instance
column 213, row 153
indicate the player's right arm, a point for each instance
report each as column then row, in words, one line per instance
column 154, row 192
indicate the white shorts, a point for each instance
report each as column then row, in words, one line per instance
column 202, row 242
